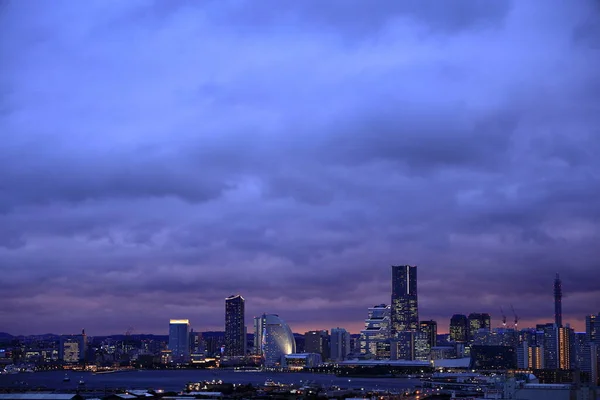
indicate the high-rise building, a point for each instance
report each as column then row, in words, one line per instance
column 258, row 332
column 566, row 340
column 459, row 328
column 592, row 328
column 235, row 328
column 411, row 345
column 179, row 340
column 72, row 348
column 558, row 301
column 430, row 329
column 339, row 344
column 404, row 306
column 317, row 342
column 276, row 337
column 377, row 329
column 478, row 321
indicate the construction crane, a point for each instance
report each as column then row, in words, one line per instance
column 503, row 318
column 516, row 316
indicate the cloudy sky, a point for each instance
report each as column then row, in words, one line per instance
column 158, row 156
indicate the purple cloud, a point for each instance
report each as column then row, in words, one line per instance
column 157, row 157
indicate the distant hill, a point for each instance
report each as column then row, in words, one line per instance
column 4, row 335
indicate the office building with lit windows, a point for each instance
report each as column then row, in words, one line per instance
column 377, row 329
column 404, row 304
column 430, row 329
column 478, row 321
column 179, row 340
column 459, row 328
column 235, row 329
column 72, row 348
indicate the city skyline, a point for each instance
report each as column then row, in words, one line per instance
column 157, row 157
column 403, row 280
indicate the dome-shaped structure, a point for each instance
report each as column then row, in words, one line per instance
column 277, row 340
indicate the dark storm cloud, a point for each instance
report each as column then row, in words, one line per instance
column 158, row 157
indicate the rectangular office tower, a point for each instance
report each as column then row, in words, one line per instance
column 405, row 310
column 235, row 331
column 179, row 340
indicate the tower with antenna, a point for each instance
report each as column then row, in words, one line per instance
column 558, row 301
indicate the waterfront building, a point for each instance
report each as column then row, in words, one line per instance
column 235, row 328
column 179, row 340
column 404, row 304
column 339, row 344
column 377, row 330
column 430, row 329
column 303, row 360
column 317, row 342
column 72, row 348
column 459, row 328
column 276, row 339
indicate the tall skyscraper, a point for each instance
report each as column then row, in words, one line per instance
column 405, row 308
column 459, row 328
column 317, row 342
column 179, row 339
column 339, row 344
column 558, row 301
column 430, row 329
column 235, row 329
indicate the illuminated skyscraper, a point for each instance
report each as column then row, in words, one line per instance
column 405, row 309
column 459, row 328
column 179, row 339
column 235, row 329
column 558, row 301
column 565, row 340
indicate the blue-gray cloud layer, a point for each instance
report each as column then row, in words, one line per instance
column 156, row 157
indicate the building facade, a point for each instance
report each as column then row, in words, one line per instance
column 339, row 344
column 430, row 329
column 459, row 328
column 276, row 339
column 235, row 328
column 377, row 329
column 72, row 348
column 179, row 340
column 404, row 304
column 478, row 321
column 317, row 342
